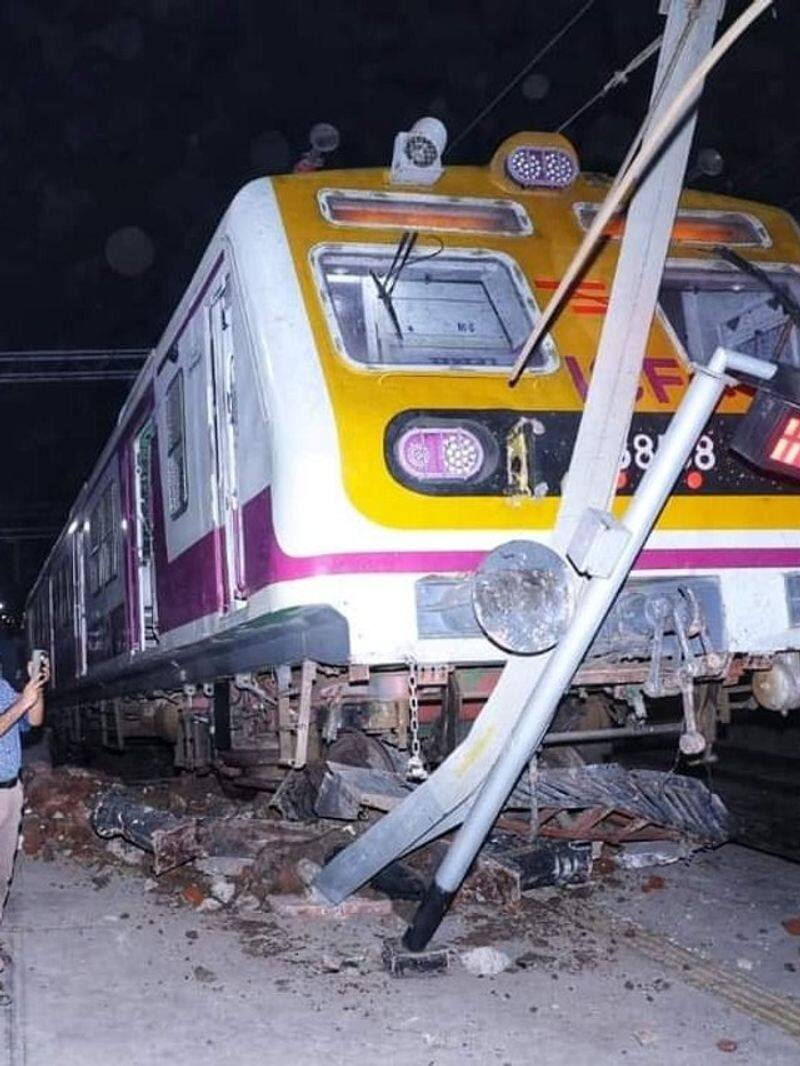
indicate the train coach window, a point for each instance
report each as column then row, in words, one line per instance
column 720, row 305
column 103, row 545
column 62, row 595
column 466, row 309
column 177, row 482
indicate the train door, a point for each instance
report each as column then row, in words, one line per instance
column 226, row 441
column 79, row 599
column 146, row 604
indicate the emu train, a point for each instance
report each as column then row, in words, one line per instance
column 274, row 554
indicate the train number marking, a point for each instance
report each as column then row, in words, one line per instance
column 643, row 447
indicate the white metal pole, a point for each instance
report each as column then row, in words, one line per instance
column 439, row 804
column 599, row 594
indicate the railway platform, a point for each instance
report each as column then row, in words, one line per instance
column 690, row 963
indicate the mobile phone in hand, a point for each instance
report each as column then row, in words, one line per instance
column 39, row 662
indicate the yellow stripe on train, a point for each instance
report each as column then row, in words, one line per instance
column 365, row 399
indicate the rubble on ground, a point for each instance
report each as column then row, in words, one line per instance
column 485, row 961
column 194, row 846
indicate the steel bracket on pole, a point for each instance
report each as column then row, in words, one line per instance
column 598, row 543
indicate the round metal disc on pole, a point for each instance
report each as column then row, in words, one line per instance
column 522, row 597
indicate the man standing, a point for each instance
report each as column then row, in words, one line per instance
column 18, row 712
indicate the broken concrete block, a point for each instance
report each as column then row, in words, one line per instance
column 193, row 894
column 494, row 880
column 645, row 1037
column 223, row 890
column 485, row 961
column 639, row 854
column 223, row 865
column 124, row 852
column 247, row 903
column 307, row 870
column 317, row 907
column 400, row 962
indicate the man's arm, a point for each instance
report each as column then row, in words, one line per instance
column 30, row 702
column 36, row 710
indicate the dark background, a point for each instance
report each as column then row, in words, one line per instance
column 152, row 114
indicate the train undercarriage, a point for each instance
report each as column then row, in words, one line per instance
column 253, row 729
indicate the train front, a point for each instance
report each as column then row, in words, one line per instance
column 421, row 284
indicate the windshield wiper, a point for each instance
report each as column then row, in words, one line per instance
column 385, row 298
column 386, row 284
column 787, row 302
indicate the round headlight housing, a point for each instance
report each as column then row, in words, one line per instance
column 522, row 597
column 532, row 167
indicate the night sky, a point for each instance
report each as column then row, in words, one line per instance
column 126, row 129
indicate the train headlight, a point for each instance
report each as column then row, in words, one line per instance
column 535, row 162
column 440, row 453
column 522, row 597
column 541, row 168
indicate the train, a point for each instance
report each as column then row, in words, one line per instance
column 272, row 562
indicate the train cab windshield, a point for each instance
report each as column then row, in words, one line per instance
column 722, row 305
column 460, row 308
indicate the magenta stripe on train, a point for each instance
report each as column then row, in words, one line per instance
column 189, row 585
column 273, row 564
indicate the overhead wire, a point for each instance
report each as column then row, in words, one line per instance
column 651, row 144
column 543, row 51
column 619, row 77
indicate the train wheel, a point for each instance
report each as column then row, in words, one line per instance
column 354, row 748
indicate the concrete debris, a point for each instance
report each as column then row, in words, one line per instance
column 316, row 907
column 243, row 837
column 246, row 860
column 307, row 870
column 332, row 964
column 727, row 1045
column 645, row 1037
column 638, row 855
column 247, row 903
column 194, row 895
column 69, row 793
column 223, row 866
column 485, row 961
column 223, row 890
column 124, row 852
